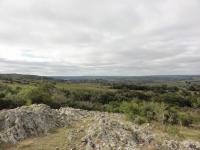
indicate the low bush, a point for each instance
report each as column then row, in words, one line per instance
column 186, row 120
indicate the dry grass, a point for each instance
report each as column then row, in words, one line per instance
column 49, row 142
column 191, row 133
column 57, row 138
column 178, row 131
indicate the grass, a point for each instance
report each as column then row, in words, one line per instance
column 190, row 133
column 51, row 141
column 177, row 131
column 56, row 138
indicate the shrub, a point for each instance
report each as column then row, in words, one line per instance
column 28, row 102
column 139, row 113
column 35, row 95
column 11, row 102
column 113, row 107
column 147, row 110
column 196, row 102
column 131, row 109
column 171, row 116
column 2, row 95
column 107, row 97
column 140, row 120
column 177, row 100
column 186, row 120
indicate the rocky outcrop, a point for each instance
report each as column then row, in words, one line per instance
column 105, row 132
column 177, row 145
column 20, row 123
column 90, row 130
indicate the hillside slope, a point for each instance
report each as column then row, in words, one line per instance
column 40, row 127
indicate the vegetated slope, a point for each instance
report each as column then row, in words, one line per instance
column 175, row 104
column 79, row 129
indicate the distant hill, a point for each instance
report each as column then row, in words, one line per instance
column 156, row 78
column 140, row 79
column 22, row 78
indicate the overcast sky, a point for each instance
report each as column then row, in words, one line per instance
column 100, row 37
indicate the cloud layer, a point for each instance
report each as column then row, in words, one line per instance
column 107, row 37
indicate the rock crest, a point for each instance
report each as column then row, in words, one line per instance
column 96, row 130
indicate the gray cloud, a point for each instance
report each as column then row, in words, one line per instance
column 107, row 37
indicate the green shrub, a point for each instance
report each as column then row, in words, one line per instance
column 171, row 116
column 2, row 95
column 177, row 100
column 130, row 107
column 196, row 102
column 28, row 102
column 148, row 110
column 113, row 107
column 11, row 102
column 139, row 112
column 186, row 120
column 35, row 95
column 140, row 120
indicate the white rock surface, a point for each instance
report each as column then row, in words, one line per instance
column 95, row 131
column 20, row 123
